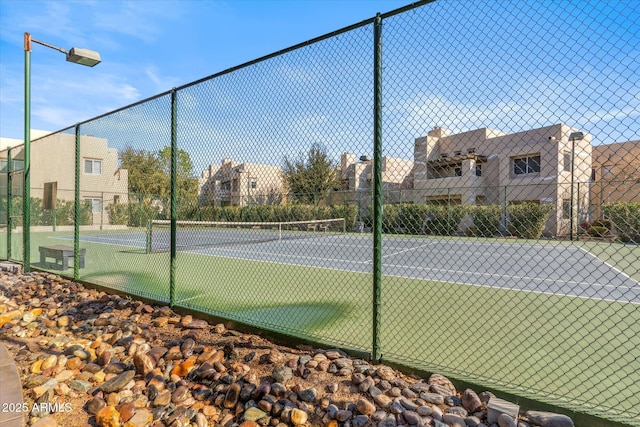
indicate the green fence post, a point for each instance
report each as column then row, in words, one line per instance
column 9, row 196
column 76, row 212
column 26, row 185
column 174, row 202
column 377, row 185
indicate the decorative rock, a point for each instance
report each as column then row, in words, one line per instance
column 505, row 420
column 298, row 417
column 231, row 398
column 142, row 418
column 453, row 420
column 436, row 399
column 254, row 414
column 412, row 418
column 437, row 379
column 282, row 374
column 308, row 395
column 46, row 422
column 94, row 405
column 365, row 407
column 118, row 382
column 343, row 415
column 108, row 417
column 390, row 421
column 549, row 419
column 470, row 401
column 143, row 363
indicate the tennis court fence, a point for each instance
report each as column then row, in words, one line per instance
column 451, row 187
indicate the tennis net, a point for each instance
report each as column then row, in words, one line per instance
column 203, row 234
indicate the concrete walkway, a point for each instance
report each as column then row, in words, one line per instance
column 11, row 414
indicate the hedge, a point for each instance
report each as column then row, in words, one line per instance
column 527, row 220
column 625, row 217
column 486, row 220
column 408, row 218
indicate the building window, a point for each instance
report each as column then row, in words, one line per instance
column 528, row 165
column 457, row 171
column 444, row 155
column 593, row 174
column 457, row 153
column 471, row 151
column 253, row 183
column 566, row 208
column 93, row 167
column 567, row 162
column 479, row 169
column 116, row 199
column 96, row 205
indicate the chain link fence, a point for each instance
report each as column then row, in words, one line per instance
column 452, row 187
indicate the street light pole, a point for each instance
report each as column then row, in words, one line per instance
column 80, row 56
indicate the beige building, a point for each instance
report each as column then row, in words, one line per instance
column 53, row 161
column 241, row 184
column 615, row 174
column 487, row 166
column 357, row 175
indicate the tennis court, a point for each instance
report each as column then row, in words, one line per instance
column 534, row 267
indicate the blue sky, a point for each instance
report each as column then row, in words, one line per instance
column 147, row 47
column 511, row 66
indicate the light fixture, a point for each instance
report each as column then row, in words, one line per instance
column 76, row 55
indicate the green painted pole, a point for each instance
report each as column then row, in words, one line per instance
column 377, row 186
column 26, row 186
column 573, row 154
column 9, row 196
column 174, row 202
column 76, row 210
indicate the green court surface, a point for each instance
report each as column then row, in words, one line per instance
column 574, row 351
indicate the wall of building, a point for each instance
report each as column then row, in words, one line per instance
column 239, row 184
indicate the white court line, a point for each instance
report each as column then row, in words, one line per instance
column 410, row 267
column 496, row 275
column 190, row 298
column 99, row 243
column 403, row 251
column 288, row 255
column 423, row 279
column 609, row 265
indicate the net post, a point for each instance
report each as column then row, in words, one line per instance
column 148, row 238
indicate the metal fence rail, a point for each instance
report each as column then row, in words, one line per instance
column 484, row 158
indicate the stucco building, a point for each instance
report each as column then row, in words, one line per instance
column 487, row 166
column 615, row 174
column 102, row 182
column 241, row 184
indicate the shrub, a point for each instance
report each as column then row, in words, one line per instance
column 527, row 220
column 411, row 217
column 625, row 216
column 486, row 220
column 141, row 213
column 389, row 219
column 604, row 223
column 444, row 220
column 118, row 214
column 597, row 231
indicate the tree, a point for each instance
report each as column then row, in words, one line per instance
column 187, row 186
column 310, row 178
column 150, row 176
column 145, row 173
